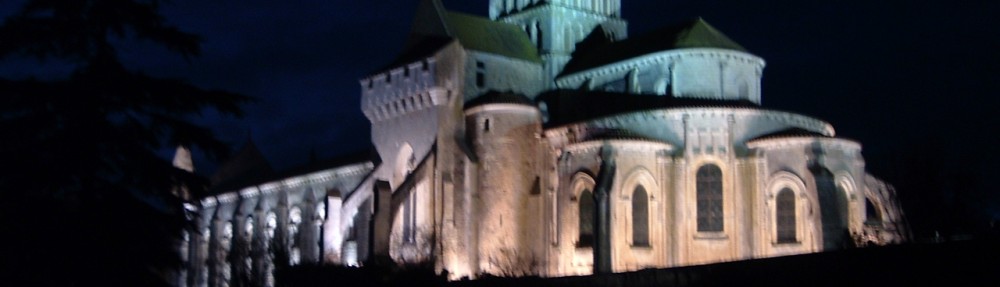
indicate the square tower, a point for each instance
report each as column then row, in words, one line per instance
column 555, row 27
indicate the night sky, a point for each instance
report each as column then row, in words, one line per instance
column 901, row 77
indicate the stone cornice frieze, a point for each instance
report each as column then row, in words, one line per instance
column 627, row 145
column 621, row 67
column 568, row 134
column 796, row 141
column 293, row 182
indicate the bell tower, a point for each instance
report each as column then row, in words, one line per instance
column 557, row 26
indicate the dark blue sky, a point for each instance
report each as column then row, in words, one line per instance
column 896, row 75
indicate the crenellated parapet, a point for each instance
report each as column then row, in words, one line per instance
column 400, row 90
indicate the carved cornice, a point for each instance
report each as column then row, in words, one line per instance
column 785, row 142
column 668, row 56
column 568, row 133
column 623, row 145
column 293, row 182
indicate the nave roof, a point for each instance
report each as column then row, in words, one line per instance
column 695, row 33
column 434, row 27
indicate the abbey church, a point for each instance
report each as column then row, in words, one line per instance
column 545, row 140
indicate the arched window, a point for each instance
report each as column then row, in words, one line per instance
column 321, row 211
column 586, row 201
column 785, row 213
column 709, row 189
column 480, row 74
column 225, row 246
column 294, row 221
column 315, row 237
column 640, row 217
column 872, row 214
column 248, row 230
column 270, row 225
column 203, row 248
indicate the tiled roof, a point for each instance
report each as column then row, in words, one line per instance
column 434, row 27
column 494, row 97
column 694, row 33
column 482, row 34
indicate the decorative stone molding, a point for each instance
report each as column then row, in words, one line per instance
column 576, row 79
column 785, row 142
column 272, row 187
column 500, row 107
column 569, row 134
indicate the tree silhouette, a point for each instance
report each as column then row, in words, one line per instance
column 84, row 196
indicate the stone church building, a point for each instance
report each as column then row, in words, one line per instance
column 544, row 140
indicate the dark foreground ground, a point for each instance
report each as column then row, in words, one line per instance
column 958, row 263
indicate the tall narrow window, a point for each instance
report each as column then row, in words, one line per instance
column 410, row 218
column 872, row 214
column 640, row 217
column 785, row 213
column 246, row 249
column 709, row 193
column 480, row 74
column 294, row 222
column 586, row 202
column 527, row 30
column 225, row 247
column 539, row 37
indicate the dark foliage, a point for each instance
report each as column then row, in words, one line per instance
column 84, row 196
column 943, row 195
column 954, row 263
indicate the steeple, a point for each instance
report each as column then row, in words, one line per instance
column 556, row 26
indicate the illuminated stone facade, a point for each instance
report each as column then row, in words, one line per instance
column 544, row 141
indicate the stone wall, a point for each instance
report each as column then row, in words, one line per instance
column 242, row 232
